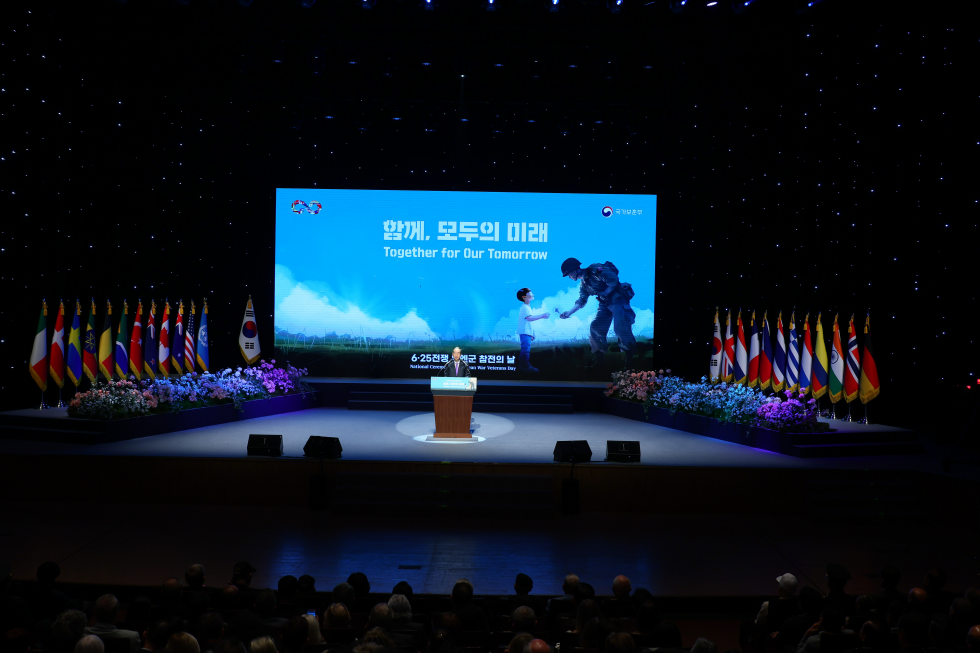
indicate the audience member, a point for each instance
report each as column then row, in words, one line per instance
column 620, row 605
column 973, row 640
column 245, row 626
column 864, row 610
column 587, row 610
column 265, row 607
column 962, row 616
column 306, row 586
column 830, row 626
column 941, row 634
column 913, row 632
column 917, row 600
column 157, row 635
column 972, row 595
column 168, row 606
column 241, row 577
column 44, row 602
column 369, row 647
column 197, row 603
column 654, row 632
column 871, row 638
column 772, row 613
column 210, row 630
column 523, row 620
column 583, row 592
column 90, row 644
column 518, row 642
column 404, row 589
column 314, row 636
column 793, row 628
column 563, row 604
column 66, row 629
column 837, row 577
column 195, row 579
column 286, row 605
column 442, row 641
column 344, row 593
column 295, row 633
column 230, row 645
column 381, row 616
column 227, row 598
column 594, row 632
column 336, row 616
column 402, row 622
column 380, row 637
column 263, row 645
column 619, row 643
column 471, row 617
column 703, row 645
column 183, row 643
column 522, row 596
column 537, row 646
column 359, row 581
column 14, row 612
column 936, row 599
column 104, row 626
column 889, row 581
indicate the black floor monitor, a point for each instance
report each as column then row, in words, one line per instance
column 573, row 451
column 264, row 445
column 322, row 447
column 623, row 451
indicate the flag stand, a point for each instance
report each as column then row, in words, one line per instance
column 848, row 418
column 865, row 419
column 42, row 406
column 61, row 404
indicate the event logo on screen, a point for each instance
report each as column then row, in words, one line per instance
column 299, row 206
column 607, row 211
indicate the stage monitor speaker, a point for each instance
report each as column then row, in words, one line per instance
column 623, row 451
column 264, row 445
column 572, row 451
column 322, row 447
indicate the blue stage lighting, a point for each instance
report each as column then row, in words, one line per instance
column 554, row 5
column 615, row 6
column 368, row 4
column 491, row 5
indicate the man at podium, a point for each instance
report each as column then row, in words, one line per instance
column 456, row 366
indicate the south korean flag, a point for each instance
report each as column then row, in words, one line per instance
column 248, row 337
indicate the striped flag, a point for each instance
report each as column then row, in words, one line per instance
column 74, row 370
column 806, row 354
column 202, row 340
column 56, row 364
column 189, row 341
column 90, row 346
column 177, row 343
column 741, row 354
column 106, row 347
column 716, row 351
column 150, row 343
column 122, row 336
column 248, row 337
column 852, row 372
column 836, row 366
column 39, row 352
column 163, row 350
column 820, row 366
column 765, row 355
column 753, row 353
column 779, row 357
column 136, row 344
column 870, row 387
column 793, row 357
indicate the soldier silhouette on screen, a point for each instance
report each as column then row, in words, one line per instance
column 602, row 280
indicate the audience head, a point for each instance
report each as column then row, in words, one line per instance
column 183, row 643
column 139, row 609
column 587, row 610
column 106, row 608
column 288, row 587
column 462, row 592
column 864, row 604
column 306, row 585
column 159, row 633
column 230, row 645
column 941, row 631
column 90, row 644
column 194, row 577
column 228, row 599
column 401, row 609
column 704, row 646
column 582, row 592
column 197, row 604
column 647, row 617
column 48, row 572
column 641, row 596
column 263, row 645
column 871, row 635
column 448, row 621
column 313, row 635
column 518, row 642
column 265, row 603
column 934, row 581
column 404, row 589
column 537, row 646
column 837, row 576
column 210, row 626
column 973, row 640
column 170, row 592
column 241, row 574
column 343, row 593
column 380, row 637
column 917, row 599
column 961, row 612
column 621, row 587
column 295, row 633
column 810, row 600
column 67, row 628
column 570, row 584
column 595, row 632
column 523, row 585
column 246, row 626
column 336, row 616
column 890, row 577
column 523, row 619
column 787, row 585
column 359, row 581
column 619, row 643
column 913, row 630
column 381, row 616
column 831, row 619
column 895, row 610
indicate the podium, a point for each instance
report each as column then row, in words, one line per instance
column 453, row 399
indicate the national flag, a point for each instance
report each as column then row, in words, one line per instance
column 56, row 364
column 189, row 341
column 765, row 355
column 806, row 364
column 105, row 345
column 753, row 353
column 741, row 354
column 779, row 357
column 39, row 352
column 122, row 336
column 202, row 340
column 74, row 370
column 793, row 357
column 248, row 337
column 136, row 344
column 818, row 379
column 852, row 371
column 870, row 387
column 836, row 366
column 150, row 343
column 90, row 347
column 717, row 350
column 177, row 343
column 163, row 351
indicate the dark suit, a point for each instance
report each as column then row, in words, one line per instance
column 450, row 368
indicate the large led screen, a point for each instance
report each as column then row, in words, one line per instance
column 386, row 283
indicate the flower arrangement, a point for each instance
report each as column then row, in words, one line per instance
column 726, row 402
column 117, row 399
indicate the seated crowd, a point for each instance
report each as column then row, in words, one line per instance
column 192, row 617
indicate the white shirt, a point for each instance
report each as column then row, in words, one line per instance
column 524, row 325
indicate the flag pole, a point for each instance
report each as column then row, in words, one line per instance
column 42, row 406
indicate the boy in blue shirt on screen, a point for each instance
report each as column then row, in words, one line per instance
column 525, row 330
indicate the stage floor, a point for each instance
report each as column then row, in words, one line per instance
column 502, row 438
